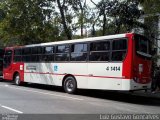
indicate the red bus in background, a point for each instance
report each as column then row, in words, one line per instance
column 114, row 62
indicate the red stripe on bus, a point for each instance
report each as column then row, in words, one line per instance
column 77, row 75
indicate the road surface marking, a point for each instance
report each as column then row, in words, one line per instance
column 11, row 109
column 71, row 98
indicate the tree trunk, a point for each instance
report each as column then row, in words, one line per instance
column 93, row 30
column 66, row 29
column 81, row 17
column 104, row 24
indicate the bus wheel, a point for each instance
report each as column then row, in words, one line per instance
column 17, row 80
column 70, row 85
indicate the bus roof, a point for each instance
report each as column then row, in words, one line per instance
column 79, row 40
column 76, row 40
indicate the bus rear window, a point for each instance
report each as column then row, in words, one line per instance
column 143, row 45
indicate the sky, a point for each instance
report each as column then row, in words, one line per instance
column 90, row 3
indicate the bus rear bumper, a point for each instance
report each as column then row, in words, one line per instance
column 131, row 85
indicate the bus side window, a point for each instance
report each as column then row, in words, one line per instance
column 7, row 58
column 26, row 54
column 119, row 48
column 100, row 51
column 17, row 55
column 79, row 52
column 62, row 52
column 36, row 54
column 48, row 53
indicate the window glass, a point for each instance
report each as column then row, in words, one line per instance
column 36, row 50
column 119, row 44
column 119, row 48
column 100, row 46
column 47, row 57
column 39, row 50
column 100, row 51
column 18, row 51
column 26, row 51
column 8, row 52
column 26, row 58
column 17, row 58
column 79, row 48
column 62, row 57
column 49, row 50
column 78, row 56
column 35, row 58
column 62, row 49
column 142, row 44
column 79, row 52
column 118, row 55
column 99, row 56
column 7, row 58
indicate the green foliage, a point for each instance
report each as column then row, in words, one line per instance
column 27, row 21
column 35, row 21
column 151, row 6
column 117, row 16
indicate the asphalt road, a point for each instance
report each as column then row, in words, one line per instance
column 40, row 99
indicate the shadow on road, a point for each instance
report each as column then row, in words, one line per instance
column 126, row 97
column 119, row 96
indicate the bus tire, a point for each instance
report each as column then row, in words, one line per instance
column 17, row 80
column 70, row 85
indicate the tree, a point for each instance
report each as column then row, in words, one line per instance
column 102, row 5
column 150, row 6
column 151, row 19
column 125, row 14
column 120, row 15
column 151, row 10
column 27, row 21
column 80, row 8
column 63, row 6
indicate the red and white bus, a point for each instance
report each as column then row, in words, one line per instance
column 114, row 62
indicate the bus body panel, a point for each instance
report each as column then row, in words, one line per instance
column 127, row 63
column 142, row 71
column 53, row 73
column 8, row 73
column 18, row 68
column 105, row 75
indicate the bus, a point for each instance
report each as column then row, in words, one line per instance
column 114, row 62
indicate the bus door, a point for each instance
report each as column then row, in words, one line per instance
column 7, row 66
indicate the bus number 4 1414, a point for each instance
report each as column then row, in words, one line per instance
column 115, row 68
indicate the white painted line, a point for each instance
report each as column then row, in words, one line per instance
column 71, row 98
column 11, row 109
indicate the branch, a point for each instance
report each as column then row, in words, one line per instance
column 84, row 5
column 64, row 1
column 94, row 3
